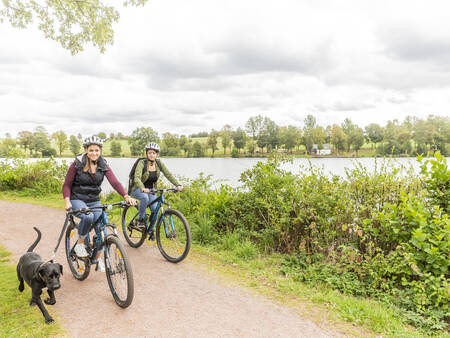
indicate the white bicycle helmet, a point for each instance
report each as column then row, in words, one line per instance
column 92, row 140
column 153, row 146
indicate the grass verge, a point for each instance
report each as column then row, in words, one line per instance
column 17, row 318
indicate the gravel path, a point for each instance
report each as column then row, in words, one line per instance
column 170, row 300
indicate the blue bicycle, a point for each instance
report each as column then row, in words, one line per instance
column 117, row 264
column 172, row 229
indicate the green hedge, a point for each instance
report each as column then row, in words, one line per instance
column 380, row 233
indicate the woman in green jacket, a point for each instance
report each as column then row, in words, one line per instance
column 144, row 180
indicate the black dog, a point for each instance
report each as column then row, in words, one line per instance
column 39, row 275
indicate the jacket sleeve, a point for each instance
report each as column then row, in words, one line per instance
column 67, row 186
column 138, row 175
column 168, row 174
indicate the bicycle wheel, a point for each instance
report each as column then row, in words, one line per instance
column 133, row 235
column 173, row 236
column 79, row 267
column 118, row 272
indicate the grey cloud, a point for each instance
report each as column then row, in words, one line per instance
column 407, row 45
column 235, row 55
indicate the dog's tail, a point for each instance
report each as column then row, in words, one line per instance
column 31, row 248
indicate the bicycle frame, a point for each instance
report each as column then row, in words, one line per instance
column 100, row 226
column 160, row 201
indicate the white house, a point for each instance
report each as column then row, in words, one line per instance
column 325, row 151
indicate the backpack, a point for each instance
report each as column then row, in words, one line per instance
column 133, row 170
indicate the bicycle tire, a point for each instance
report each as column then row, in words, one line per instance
column 176, row 248
column 80, row 267
column 124, row 263
column 135, row 241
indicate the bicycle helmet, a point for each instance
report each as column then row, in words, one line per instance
column 153, row 146
column 92, row 140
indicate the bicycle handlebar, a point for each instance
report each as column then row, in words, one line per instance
column 87, row 210
column 154, row 191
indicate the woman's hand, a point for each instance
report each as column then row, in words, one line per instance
column 130, row 200
column 180, row 188
column 146, row 190
column 68, row 205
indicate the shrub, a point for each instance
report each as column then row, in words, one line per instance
column 43, row 176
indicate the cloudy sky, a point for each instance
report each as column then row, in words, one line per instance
column 188, row 66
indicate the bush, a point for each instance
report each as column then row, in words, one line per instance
column 381, row 233
column 43, row 176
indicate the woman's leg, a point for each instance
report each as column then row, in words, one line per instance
column 85, row 220
column 151, row 198
column 143, row 202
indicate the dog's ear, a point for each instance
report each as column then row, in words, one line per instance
column 60, row 268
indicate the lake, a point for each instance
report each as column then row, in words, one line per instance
column 228, row 170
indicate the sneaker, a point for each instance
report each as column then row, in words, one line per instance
column 151, row 236
column 80, row 250
column 140, row 224
column 100, row 266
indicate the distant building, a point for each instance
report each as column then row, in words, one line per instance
column 325, row 151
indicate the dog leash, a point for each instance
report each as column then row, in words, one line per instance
column 60, row 237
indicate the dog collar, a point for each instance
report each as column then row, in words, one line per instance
column 39, row 268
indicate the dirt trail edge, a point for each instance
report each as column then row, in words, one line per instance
column 170, row 300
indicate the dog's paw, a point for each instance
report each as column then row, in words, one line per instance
column 50, row 301
column 49, row 320
column 21, row 287
column 32, row 303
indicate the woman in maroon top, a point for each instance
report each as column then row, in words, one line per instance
column 82, row 188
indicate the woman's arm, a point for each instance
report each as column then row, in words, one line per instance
column 67, row 186
column 118, row 186
column 169, row 175
column 138, row 174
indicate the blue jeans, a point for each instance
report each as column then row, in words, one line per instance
column 86, row 220
column 144, row 200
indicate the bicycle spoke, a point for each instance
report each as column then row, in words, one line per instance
column 173, row 236
column 118, row 273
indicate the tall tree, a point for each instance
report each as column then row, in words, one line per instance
column 60, row 138
column 288, row 137
column 338, row 138
column 25, row 139
column 116, row 148
column 41, row 142
column 226, row 137
column 348, row 127
column 74, row 145
column 72, row 23
column 212, row 140
column 374, row 134
column 239, row 138
column 254, row 126
column 197, row 149
column 357, row 139
column 139, row 138
column 308, row 135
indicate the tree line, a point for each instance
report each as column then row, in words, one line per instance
column 260, row 135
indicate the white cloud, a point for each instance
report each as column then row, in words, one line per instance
column 190, row 66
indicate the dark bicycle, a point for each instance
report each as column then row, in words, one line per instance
column 172, row 229
column 117, row 264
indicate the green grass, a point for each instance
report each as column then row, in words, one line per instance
column 17, row 317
